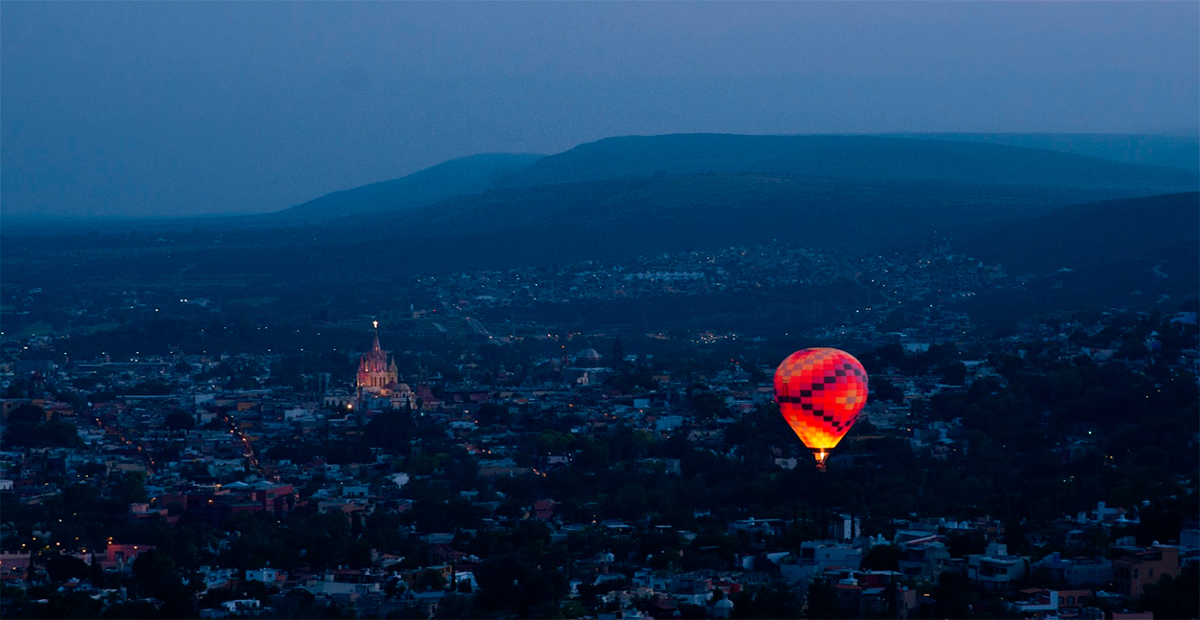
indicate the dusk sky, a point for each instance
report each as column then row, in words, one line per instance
column 171, row 109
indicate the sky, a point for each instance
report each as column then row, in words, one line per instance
column 165, row 109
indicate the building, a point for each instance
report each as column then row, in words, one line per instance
column 1079, row 571
column 377, row 381
column 1042, row 602
column 119, row 556
column 377, row 374
column 818, row 556
column 1147, row 566
column 927, row 557
column 995, row 569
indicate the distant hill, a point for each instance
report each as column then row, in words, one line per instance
column 749, row 207
column 1175, row 151
column 622, row 197
column 458, row 177
column 623, row 218
column 860, row 158
column 1096, row 233
column 1117, row 252
column 952, row 158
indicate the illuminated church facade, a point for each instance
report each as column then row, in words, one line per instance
column 378, row 380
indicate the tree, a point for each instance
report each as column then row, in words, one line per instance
column 296, row 604
column 780, row 601
column 28, row 427
column 455, row 606
column 1174, row 597
column 26, row 413
column 429, row 579
column 882, row 557
column 954, row 373
column 492, row 413
column 954, row 596
column 154, row 572
column 552, row 442
column 66, row 567
column 708, row 405
column 516, row 583
column 131, row 489
column 392, row 431
column 180, row 421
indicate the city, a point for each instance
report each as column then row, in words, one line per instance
column 600, row 310
column 522, row 471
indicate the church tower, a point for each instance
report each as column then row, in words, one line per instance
column 377, row 374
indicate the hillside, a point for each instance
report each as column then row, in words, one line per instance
column 665, row 213
column 861, row 158
column 996, row 211
column 458, row 177
column 1112, row 253
column 1096, row 233
column 1175, row 151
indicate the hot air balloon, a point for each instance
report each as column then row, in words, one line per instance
column 820, row 392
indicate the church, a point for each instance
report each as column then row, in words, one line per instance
column 378, row 380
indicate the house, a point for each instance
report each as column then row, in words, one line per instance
column 1079, row 571
column 868, row 594
column 774, row 527
column 818, row 556
column 995, row 569
column 1039, row 601
column 14, row 566
column 1147, row 566
column 241, row 605
column 927, row 557
column 119, row 556
column 268, row 576
column 543, row 509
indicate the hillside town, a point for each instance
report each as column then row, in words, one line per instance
column 913, row 274
column 607, row 485
column 864, row 286
column 600, row 310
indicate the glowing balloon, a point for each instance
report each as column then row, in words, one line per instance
column 820, row 392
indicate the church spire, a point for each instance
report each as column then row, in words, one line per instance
column 375, row 374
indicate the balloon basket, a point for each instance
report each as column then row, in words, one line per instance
column 821, row 457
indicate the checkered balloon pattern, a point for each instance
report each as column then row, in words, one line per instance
column 820, row 392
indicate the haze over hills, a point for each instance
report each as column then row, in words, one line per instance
column 846, row 157
column 622, row 197
column 962, row 159
column 637, row 196
column 1093, row 233
column 598, row 181
column 458, row 177
column 1175, row 151
column 612, row 219
column 1141, row 251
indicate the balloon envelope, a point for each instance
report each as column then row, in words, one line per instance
column 820, row 392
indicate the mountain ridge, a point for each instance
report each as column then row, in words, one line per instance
column 456, row 177
column 848, row 158
column 1170, row 150
column 842, row 156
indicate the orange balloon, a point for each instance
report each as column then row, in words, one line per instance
column 820, row 393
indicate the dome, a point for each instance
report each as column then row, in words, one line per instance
column 724, row 604
column 588, row 358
